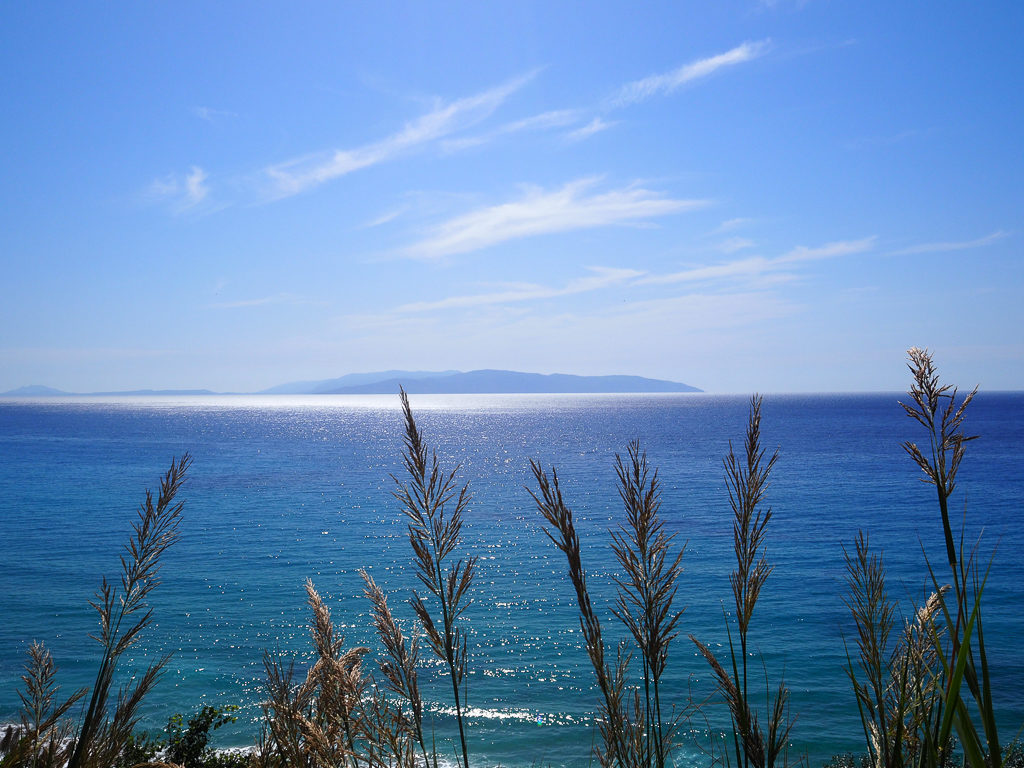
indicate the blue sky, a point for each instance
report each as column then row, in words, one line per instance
column 770, row 196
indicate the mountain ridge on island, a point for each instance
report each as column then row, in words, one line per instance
column 491, row 381
column 328, row 386
column 485, row 381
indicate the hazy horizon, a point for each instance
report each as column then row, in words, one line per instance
column 756, row 195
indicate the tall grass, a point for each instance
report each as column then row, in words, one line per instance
column 46, row 739
column 636, row 729
column 399, row 666
column 935, row 684
column 318, row 722
column 343, row 715
column 894, row 683
column 922, row 684
column 434, row 506
column 747, row 480
column 339, row 714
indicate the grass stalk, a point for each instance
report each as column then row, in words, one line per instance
column 124, row 614
column 399, row 667
column 614, row 725
column 45, row 738
column 640, row 735
column 747, row 478
column 930, row 689
column 648, row 589
column 435, row 509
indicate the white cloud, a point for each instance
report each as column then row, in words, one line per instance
column 640, row 90
column 733, row 244
column 953, row 246
column 757, row 266
column 540, row 212
column 556, row 118
column 594, row 126
column 295, row 176
column 211, row 115
column 602, row 277
column 195, row 189
column 384, row 218
column 827, row 251
column 280, row 298
column 553, row 119
column 730, row 225
column 182, row 192
column 749, row 267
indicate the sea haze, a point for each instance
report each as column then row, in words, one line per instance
column 286, row 488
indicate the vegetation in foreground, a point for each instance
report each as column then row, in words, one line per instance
column 922, row 685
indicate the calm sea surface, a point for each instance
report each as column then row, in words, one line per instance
column 288, row 488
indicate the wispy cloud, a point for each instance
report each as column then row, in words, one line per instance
column 964, row 245
column 541, row 212
column 211, row 115
column 641, row 90
column 758, row 266
column 195, row 186
column 280, row 298
column 183, row 192
column 730, row 225
column 295, row 176
column 827, row 251
column 594, row 126
column 384, row 218
column 601, row 277
column 557, row 118
column 734, row 244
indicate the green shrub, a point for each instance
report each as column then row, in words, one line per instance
column 188, row 745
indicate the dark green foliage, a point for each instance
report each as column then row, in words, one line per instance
column 188, row 745
column 848, row 760
column 184, row 744
column 141, row 747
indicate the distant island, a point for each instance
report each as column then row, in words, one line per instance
column 38, row 390
column 421, row 383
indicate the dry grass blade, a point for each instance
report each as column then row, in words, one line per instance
column 333, row 727
column 283, row 712
column 739, row 709
column 320, row 721
column 747, row 481
column 399, row 668
column 747, row 478
column 874, row 616
column 614, row 722
column 646, row 594
column 388, row 743
column 435, row 509
column 941, row 460
column 42, row 738
column 123, row 616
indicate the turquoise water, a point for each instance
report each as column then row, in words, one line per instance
column 286, row 488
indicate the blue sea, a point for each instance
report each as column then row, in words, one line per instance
column 288, row 488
